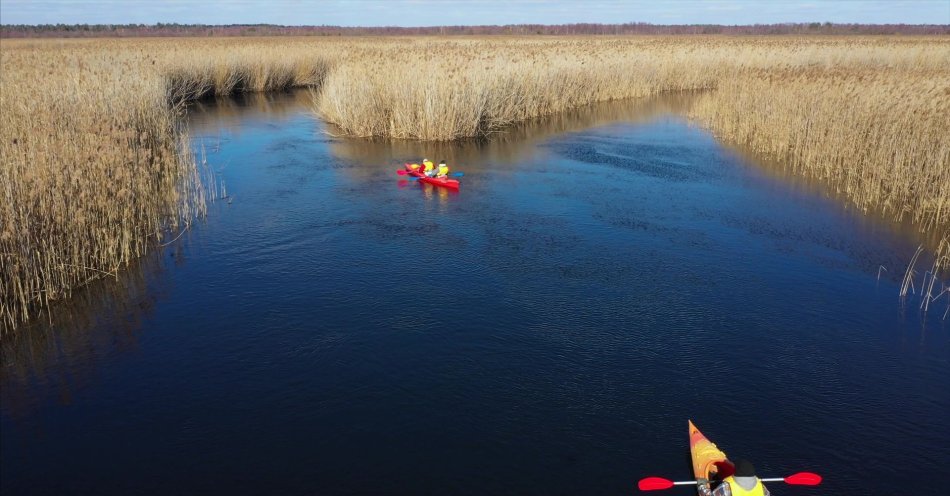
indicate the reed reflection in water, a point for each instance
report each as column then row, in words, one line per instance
column 60, row 349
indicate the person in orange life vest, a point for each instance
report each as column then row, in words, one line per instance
column 742, row 483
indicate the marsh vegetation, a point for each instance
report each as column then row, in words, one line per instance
column 96, row 171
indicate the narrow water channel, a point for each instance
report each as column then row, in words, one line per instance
column 601, row 277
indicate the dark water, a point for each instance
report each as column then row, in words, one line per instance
column 601, row 277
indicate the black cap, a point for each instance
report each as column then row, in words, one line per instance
column 744, row 468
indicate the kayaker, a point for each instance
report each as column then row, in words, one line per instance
column 443, row 170
column 742, row 483
column 428, row 166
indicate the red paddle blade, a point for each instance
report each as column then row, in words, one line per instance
column 402, row 172
column 654, row 483
column 803, row 479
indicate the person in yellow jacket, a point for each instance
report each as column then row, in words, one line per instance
column 443, row 171
column 427, row 167
column 742, row 483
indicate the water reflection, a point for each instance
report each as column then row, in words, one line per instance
column 876, row 221
column 442, row 195
column 58, row 350
column 215, row 113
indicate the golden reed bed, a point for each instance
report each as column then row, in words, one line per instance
column 96, row 170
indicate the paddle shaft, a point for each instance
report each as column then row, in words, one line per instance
column 688, row 483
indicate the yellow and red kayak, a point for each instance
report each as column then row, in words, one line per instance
column 710, row 465
column 709, row 462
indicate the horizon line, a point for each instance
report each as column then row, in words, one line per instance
column 394, row 26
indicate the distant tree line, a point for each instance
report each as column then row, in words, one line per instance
column 162, row 29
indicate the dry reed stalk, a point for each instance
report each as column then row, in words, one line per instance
column 908, row 282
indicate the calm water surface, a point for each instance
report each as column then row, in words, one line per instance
column 602, row 276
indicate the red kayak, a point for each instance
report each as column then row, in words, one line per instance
column 445, row 183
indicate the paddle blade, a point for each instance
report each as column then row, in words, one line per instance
column 459, row 174
column 654, row 484
column 803, row 479
column 413, row 178
column 402, row 172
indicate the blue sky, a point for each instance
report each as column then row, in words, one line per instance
column 453, row 12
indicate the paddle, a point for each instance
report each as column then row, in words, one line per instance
column 799, row 479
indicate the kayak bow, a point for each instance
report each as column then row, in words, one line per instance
column 707, row 458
